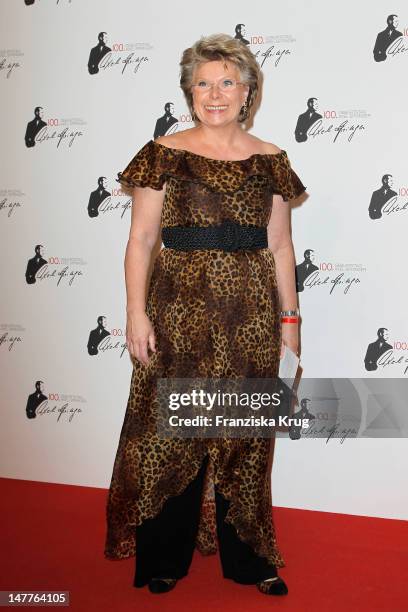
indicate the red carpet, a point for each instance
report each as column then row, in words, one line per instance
column 52, row 539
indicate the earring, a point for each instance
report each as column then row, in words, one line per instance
column 193, row 115
column 244, row 110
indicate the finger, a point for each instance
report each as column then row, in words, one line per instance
column 282, row 349
column 152, row 342
column 143, row 352
column 136, row 350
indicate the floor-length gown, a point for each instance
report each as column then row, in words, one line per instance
column 215, row 314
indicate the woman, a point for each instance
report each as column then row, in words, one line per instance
column 213, row 308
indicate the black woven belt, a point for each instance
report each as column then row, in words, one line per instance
column 228, row 236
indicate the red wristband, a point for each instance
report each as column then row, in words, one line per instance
column 289, row 319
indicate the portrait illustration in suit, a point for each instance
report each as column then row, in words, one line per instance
column 303, row 413
column 97, row 53
column 376, row 349
column 35, row 264
column 240, row 33
column 385, row 38
column 34, row 126
column 381, row 196
column 165, row 122
column 35, row 399
column 97, row 197
column 306, row 120
column 305, row 269
column 97, row 335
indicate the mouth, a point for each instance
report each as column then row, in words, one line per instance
column 215, row 108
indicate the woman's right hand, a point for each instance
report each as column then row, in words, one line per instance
column 140, row 336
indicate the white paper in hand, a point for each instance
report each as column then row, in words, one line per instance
column 288, row 364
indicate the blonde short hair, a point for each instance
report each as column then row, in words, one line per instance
column 221, row 47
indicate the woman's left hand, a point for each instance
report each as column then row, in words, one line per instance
column 290, row 337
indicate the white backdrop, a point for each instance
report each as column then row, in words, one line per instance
column 94, row 125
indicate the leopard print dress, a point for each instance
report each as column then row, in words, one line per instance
column 215, row 314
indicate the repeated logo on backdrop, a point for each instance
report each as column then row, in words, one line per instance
column 63, row 271
column 98, row 197
column 102, row 53
column 11, row 60
column 339, row 125
column 40, row 131
column 128, row 58
column 376, row 349
column 328, row 276
column 389, row 42
column 267, row 48
column 101, row 340
column 383, row 357
column 60, row 408
column 102, row 202
column 10, row 201
column 11, row 335
column 386, row 201
column 31, row 2
column 165, row 124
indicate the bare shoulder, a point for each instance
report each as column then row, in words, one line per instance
column 271, row 148
column 177, row 140
column 266, row 147
column 263, row 146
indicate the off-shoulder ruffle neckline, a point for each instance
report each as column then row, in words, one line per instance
column 211, row 159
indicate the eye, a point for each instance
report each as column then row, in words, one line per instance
column 202, row 84
column 228, row 83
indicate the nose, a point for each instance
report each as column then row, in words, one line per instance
column 214, row 90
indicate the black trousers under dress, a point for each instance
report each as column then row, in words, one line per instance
column 165, row 544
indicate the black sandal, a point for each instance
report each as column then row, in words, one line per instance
column 162, row 585
column 272, row 586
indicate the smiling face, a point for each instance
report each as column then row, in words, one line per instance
column 212, row 106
